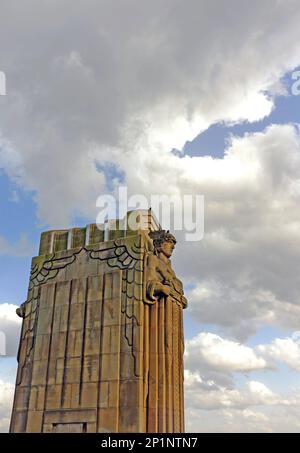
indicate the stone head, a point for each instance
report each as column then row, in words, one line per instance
column 163, row 241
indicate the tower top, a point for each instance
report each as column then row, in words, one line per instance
column 58, row 240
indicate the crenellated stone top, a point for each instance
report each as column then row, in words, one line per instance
column 59, row 240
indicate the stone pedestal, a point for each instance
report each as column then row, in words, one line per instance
column 97, row 352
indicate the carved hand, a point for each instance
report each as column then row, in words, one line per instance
column 162, row 289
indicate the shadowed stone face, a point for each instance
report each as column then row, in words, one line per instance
column 167, row 248
column 163, row 241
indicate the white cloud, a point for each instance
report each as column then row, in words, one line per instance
column 6, row 398
column 10, row 325
column 245, row 269
column 240, row 403
column 250, row 408
column 213, row 352
column 8, row 313
column 239, row 310
column 141, row 84
column 285, row 350
column 254, row 394
column 274, row 419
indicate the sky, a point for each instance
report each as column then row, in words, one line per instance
column 167, row 97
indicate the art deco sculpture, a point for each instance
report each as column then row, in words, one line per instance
column 101, row 347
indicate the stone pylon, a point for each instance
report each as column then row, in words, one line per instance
column 101, row 346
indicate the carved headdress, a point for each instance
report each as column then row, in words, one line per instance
column 161, row 236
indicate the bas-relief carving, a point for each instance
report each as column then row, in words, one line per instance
column 161, row 280
column 147, row 277
column 165, row 346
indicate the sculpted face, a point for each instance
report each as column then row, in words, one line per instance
column 167, row 248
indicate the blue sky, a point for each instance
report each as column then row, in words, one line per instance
column 213, row 140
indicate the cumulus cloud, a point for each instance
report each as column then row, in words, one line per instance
column 245, row 269
column 254, row 394
column 212, row 356
column 220, row 395
column 268, row 419
column 224, row 354
column 284, row 350
column 10, row 325
column 96, row 82
column 216, row 358
column 253, row 407
column 6, row 398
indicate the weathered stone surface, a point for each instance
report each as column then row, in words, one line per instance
column 101, row 347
